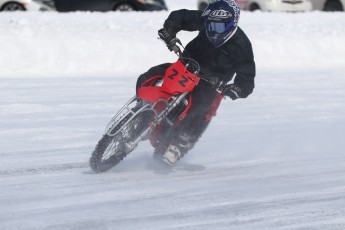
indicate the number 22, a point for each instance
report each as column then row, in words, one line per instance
column 182, row 81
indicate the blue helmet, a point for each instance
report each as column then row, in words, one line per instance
column 221, row 19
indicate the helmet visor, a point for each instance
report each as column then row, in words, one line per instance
column 219, row 27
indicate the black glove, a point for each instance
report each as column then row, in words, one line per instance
column 170, row 39
column 232, row 91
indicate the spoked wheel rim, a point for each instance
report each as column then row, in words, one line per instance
column 108, row 153
column 12, row 6
column 117, row 145
column 114, row 148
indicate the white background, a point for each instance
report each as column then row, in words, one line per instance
column 272, row 161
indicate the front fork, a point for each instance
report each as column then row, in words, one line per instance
column 157, row 118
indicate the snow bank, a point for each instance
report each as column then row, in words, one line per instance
column 55, row 44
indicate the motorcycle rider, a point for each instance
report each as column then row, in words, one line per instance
column 224, row 54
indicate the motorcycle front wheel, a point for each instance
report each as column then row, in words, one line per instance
column 108, row 153
column 110, row 150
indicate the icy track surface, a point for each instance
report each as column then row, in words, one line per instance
column 272, row 161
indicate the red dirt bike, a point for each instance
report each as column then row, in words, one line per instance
column 162, row 102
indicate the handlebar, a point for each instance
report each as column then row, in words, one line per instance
column 177, row 46
column 191, row 64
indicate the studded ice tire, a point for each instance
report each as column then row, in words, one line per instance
column 108, row 153
column 110, row 150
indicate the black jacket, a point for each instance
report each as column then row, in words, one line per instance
column 233, row 57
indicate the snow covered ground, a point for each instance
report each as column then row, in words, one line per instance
column 272, row 161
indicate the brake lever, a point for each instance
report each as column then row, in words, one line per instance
column 178, row 49
column 174, row 47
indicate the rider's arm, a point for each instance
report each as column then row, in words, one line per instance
column 189, row 20
column 245, row 66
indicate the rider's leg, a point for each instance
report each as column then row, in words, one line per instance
column 193, row 125
column 195, row 122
